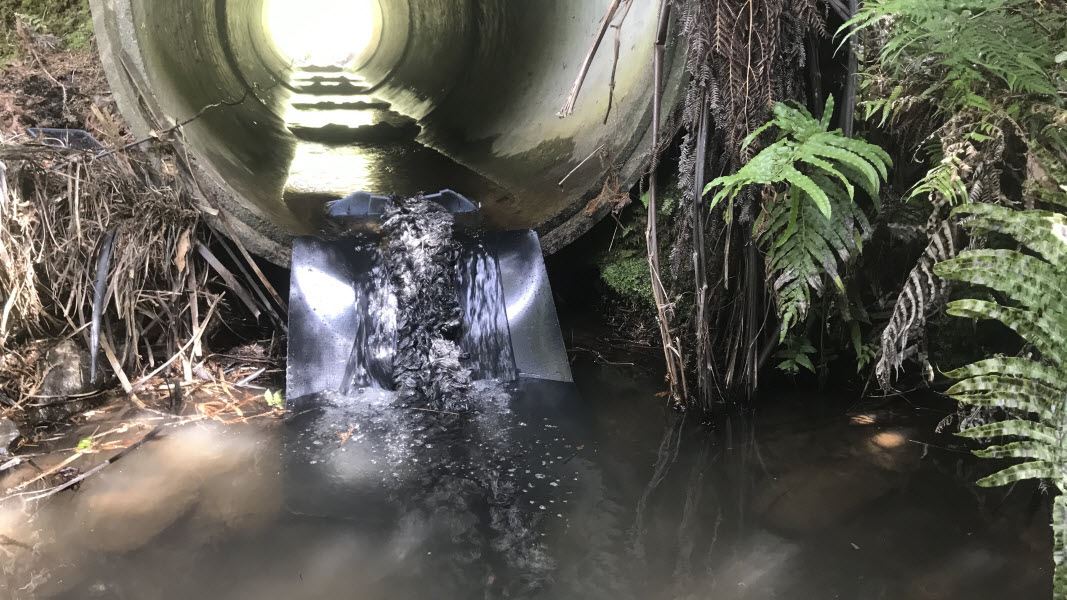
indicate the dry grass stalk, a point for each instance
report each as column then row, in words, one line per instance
column 57, row 205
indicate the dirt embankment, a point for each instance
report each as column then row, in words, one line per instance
column 46, row 82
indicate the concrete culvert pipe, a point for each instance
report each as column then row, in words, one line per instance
column 300, row 101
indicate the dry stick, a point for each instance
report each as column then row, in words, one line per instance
column 282, row 304
column 704, row 364
column 615, row 61
column 41, row 476
column 229, row 278
column 139, row 384
column 229, row 232
column 572, row 98
column 256, row 287
column 848, row 104
column 100, row 467
column 156, row 135
column 194, row 306
column 671, row 346
column 581, row 164
column 109, row 352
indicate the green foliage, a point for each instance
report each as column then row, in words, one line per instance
column 972, row 47
column 1033, row 390
column 69, row 20
column 814, row 224
column 961, row 83
column 274, row 399
column 982, row 66
column 795, row 354
column 628, row 277
column 85, row 445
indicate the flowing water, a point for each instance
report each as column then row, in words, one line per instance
column 548, row 491
column 469, row 483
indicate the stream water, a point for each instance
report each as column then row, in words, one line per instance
column 459, row 486
column 548, row 491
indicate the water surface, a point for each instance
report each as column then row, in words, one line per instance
column 550, row 491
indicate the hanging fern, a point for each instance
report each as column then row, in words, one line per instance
column 974, row 48
column 1033, row 389
column 960, row 78
column 814, row 224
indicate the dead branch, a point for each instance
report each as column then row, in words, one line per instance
column 583, row 71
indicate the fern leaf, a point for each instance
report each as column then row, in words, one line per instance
column 814, row 192
column 1022, row 394
column 922, row 295
column 1034, row 282
column 815, row 226
column 1031, row 450
column 1015, row 427
column 1046, row 334
column 1012, row 366
column 1043, row 232
column 1035, row 469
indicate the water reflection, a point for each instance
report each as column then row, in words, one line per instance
column 544, row 493
column 347, row 139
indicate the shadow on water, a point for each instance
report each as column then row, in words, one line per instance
column 547, row 491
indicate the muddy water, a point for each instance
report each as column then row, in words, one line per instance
column 549, row 492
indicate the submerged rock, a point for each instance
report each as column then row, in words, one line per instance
column 64, row 384
column 66, row 371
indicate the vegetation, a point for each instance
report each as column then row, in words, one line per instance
column 1031, row 389
column 814, row 223
column 980, row 87
column 69, row 20
column 970, row 97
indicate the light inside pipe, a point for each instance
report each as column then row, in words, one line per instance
column 323, row 33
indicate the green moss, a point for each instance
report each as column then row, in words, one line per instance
column 628, row 277
column 69, row 20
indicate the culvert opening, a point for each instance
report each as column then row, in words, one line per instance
column 299, row 102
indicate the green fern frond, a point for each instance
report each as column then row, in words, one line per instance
column 806, row 141
column 973, row 45
column 1034, row 291
column 814, row 225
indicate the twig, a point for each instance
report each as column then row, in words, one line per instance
column 229, row 278
column 572, row 98
column 256, row 287
column 195, row 338
column 100, row 467
column 671, row 345
column 848, row 102
column 602, row 359
column 282, row 304
column 116, row 366
column 40, row 476
column 157, row 135
column 244, row 382
column 705, row 374
column 581, row 164
column 615, row 61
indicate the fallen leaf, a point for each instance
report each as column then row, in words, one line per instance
column 184, row 244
